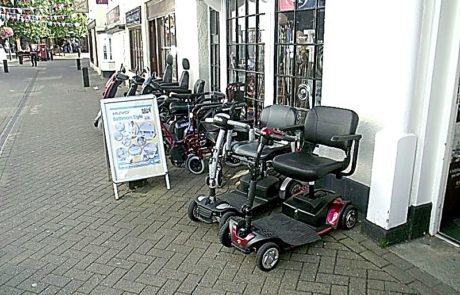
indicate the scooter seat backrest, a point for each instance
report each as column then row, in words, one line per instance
column 277, row 116
column 199, row 86
column 322, row 123
column 185, row 77
column 167, row 75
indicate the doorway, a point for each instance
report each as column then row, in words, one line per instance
column 153, row 47
column 450, row 221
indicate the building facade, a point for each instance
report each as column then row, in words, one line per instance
column 395, row 63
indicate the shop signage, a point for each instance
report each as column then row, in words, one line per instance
column 113, row 16
column 133, row 139
column 80, row 6
column 156, row 8
column 133, row 17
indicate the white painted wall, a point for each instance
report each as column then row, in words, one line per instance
column 268, row 36
column 188, row 37
column 369, row 61
column 97, row 12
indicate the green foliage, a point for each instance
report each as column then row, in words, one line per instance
column 73, row 24
column 383, row 243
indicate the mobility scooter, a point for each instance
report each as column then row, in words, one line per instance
column 213, row 208
column 306, row 216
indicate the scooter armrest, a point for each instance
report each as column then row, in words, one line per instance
column 270, row 133
column 292, row 128
column 346, row 137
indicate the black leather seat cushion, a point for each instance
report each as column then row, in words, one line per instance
column 305, row 166
column 178, row 107
column 250, row 150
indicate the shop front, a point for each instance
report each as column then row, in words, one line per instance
column 450, row 220
column 134, row 25
column 162, row 35
column 92, row 43
column 408, row 177
column 112, row 43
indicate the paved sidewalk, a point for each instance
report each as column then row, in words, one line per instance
column 62, row 232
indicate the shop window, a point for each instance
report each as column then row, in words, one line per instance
column 104, row 49
column 299, row 52
column 166, row 41
column 136, row 52
column 215, row 49
column 245, row 51
column 110, row 48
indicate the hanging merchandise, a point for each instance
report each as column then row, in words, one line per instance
column 6, row 32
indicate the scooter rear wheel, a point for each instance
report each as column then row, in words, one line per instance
column 349, row 217
column 268, row 256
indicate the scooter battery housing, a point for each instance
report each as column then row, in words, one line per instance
column 266, row 187
column 312, row 211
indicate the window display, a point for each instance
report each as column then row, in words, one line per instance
column 215, row 49
column 299, row 58
column 246, row 50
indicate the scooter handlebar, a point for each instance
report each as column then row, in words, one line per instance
column 239, row 124
column 229, row 122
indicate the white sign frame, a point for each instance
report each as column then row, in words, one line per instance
column 128, row 130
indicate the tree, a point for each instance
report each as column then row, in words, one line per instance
column 35, row 19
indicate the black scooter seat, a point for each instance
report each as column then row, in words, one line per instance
column 290, row 231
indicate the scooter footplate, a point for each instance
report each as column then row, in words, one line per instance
column 289, row 230
column 236, row 199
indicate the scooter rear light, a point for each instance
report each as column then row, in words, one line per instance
column 240, row 242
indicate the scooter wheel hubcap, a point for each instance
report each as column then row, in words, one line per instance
column 350, row 219
column 270, row 258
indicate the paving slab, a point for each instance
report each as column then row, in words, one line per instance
column 63, row 232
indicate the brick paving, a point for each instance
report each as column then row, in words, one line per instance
column 62, row 232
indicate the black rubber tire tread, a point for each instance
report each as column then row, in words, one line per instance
column 224, row 235
column 225, row 217
column 260, row 254
column 203, row 166
column 191, row 211
column 346, row 210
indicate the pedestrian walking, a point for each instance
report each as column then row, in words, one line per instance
column 34, row 54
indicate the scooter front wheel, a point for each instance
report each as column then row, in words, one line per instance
column 268, row 256
column 193, row 211
column 224, row 235
column 223, row 220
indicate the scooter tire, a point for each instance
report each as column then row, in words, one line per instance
column 264, row 253
column 224, row 235
column 195, row 165
column 192, row 211
column 223, row 220
column 349, row 217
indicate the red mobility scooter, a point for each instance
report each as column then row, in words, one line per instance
column 308, row 215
